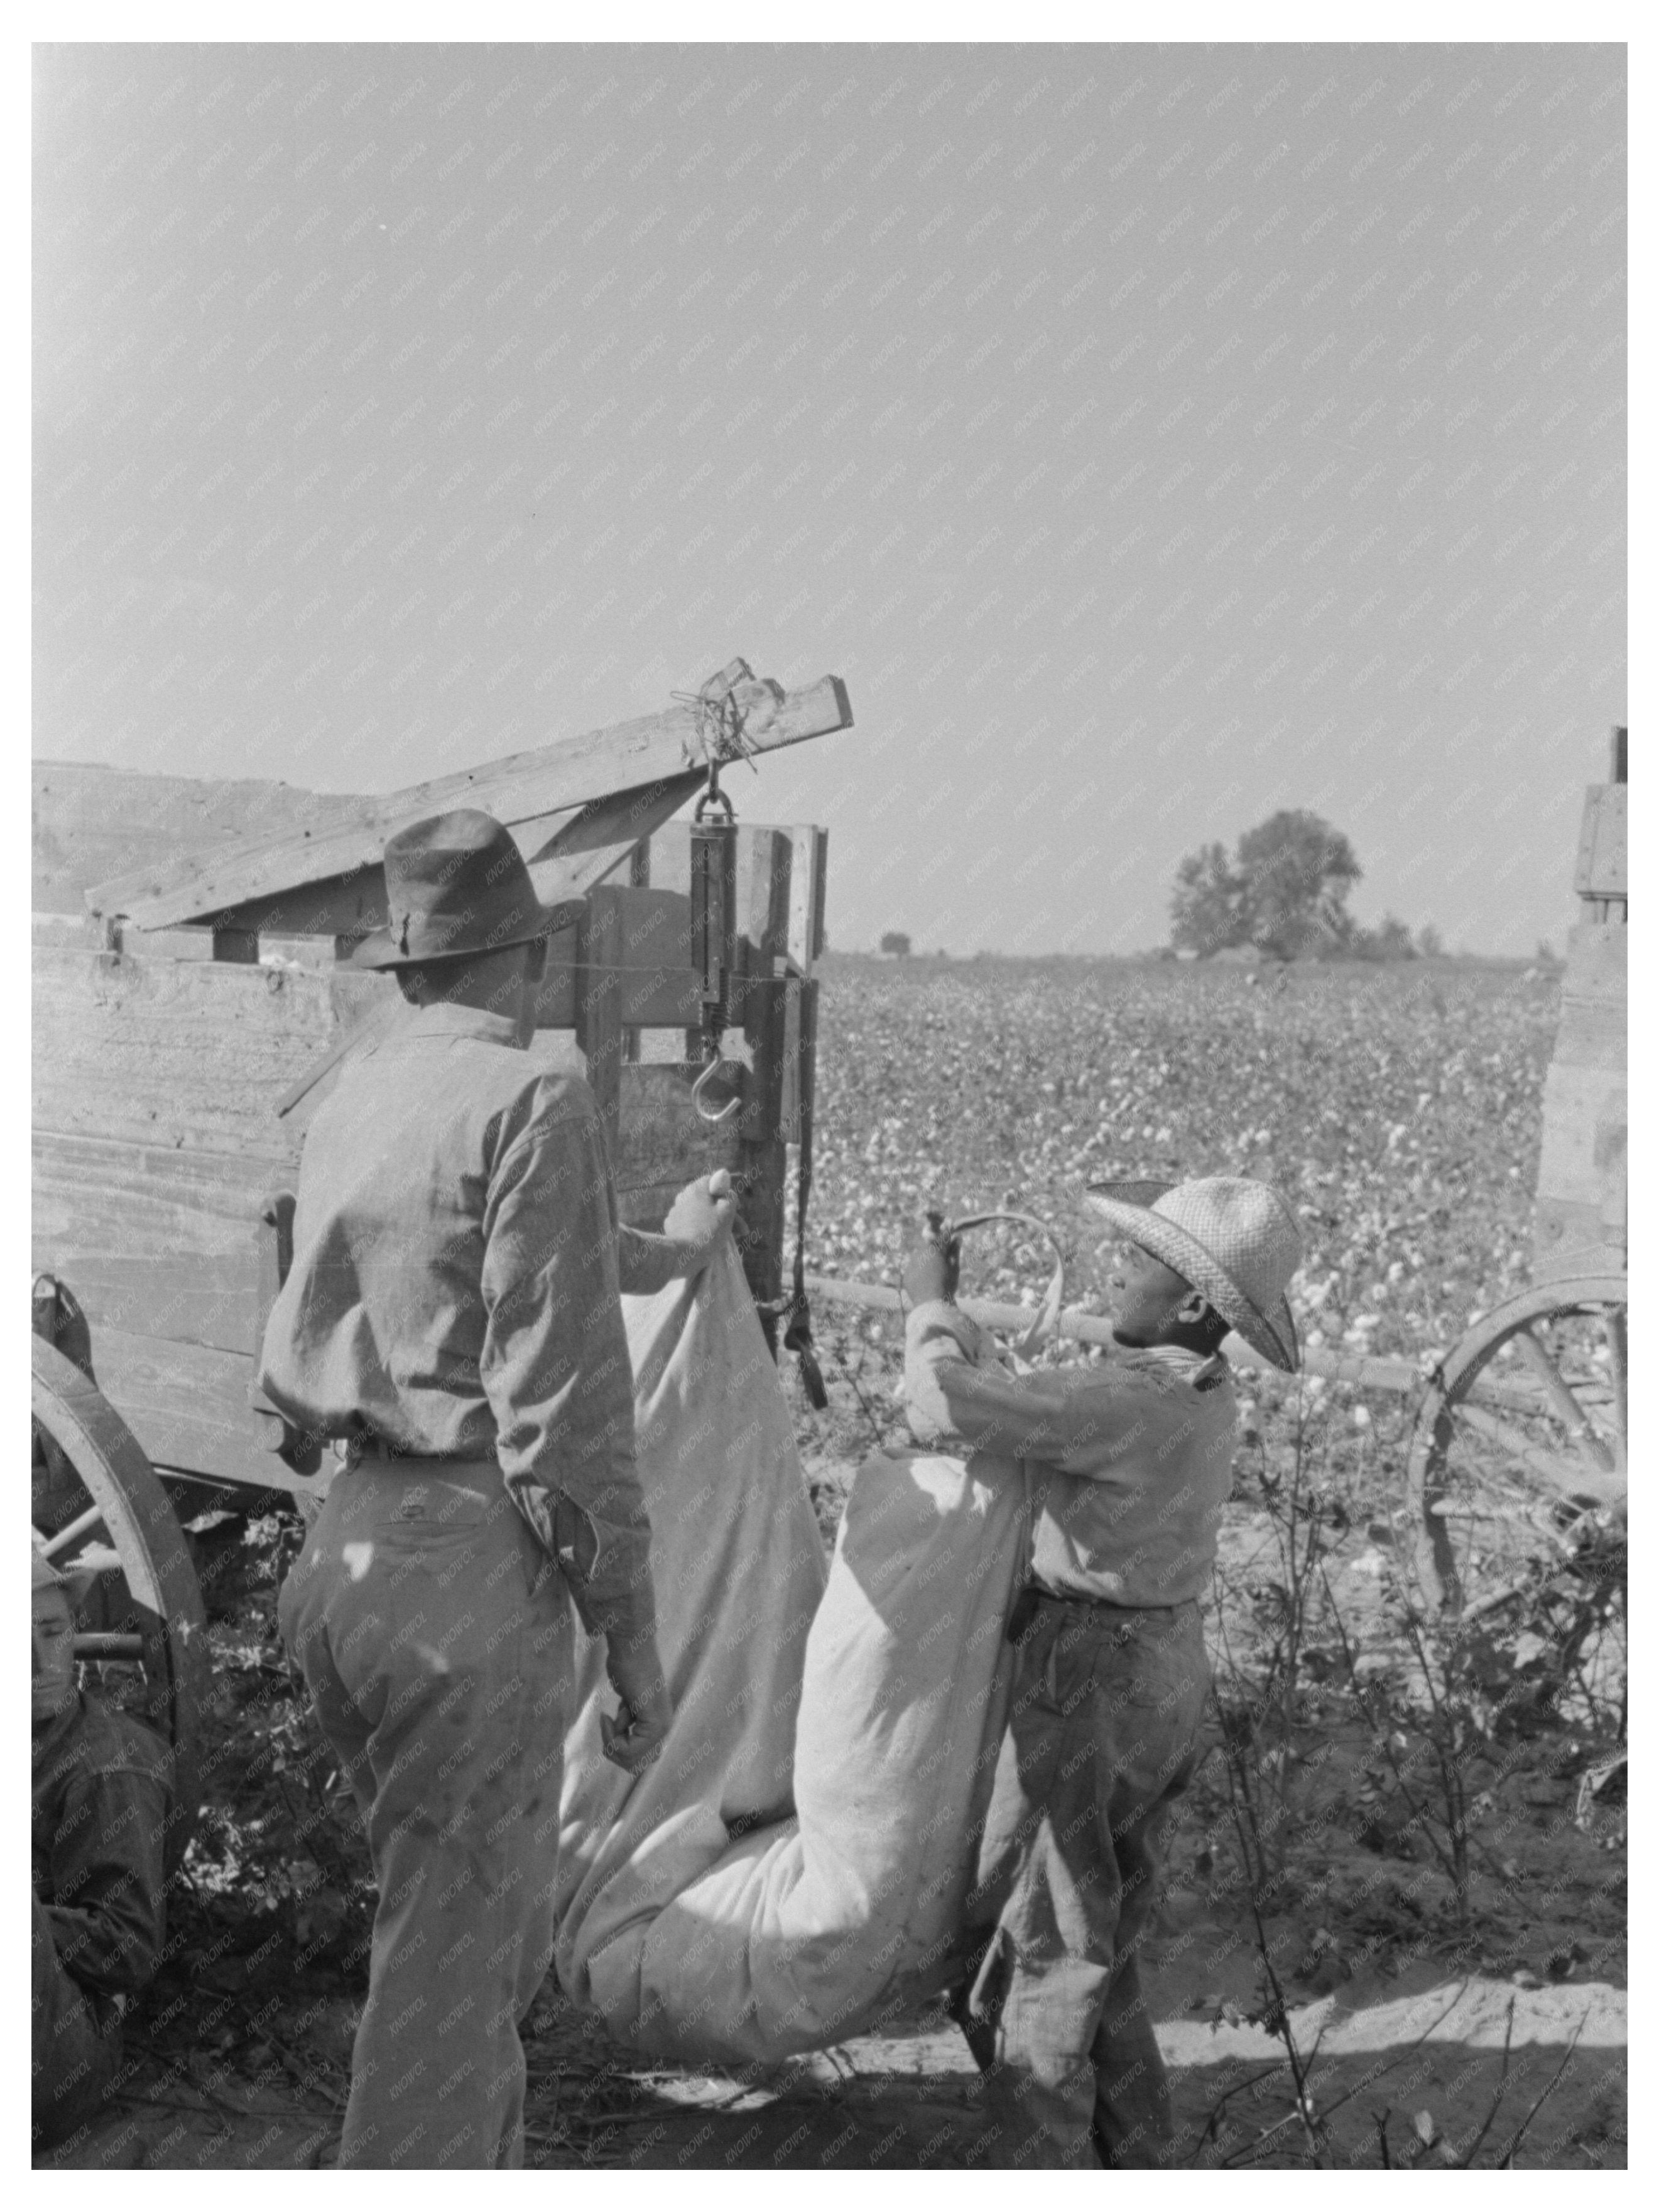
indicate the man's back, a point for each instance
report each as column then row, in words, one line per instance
column 413, row 1171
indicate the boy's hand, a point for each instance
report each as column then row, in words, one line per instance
column 932, row 1270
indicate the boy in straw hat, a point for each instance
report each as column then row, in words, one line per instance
column 1133, row 1459
column 99, row 1796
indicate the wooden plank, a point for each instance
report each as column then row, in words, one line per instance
column 655, row 927
column 764, row 1015
column 1586, row 1115
column 820, row 892
column 157, row 944
column 623, row 817
column 764, row 861
column 1603, row 869
column 165, row 1242
column 652, row 998
column 1592, row 1033
column 212, row 1303
column 523, row 787
column 345, row 908
column 173, row 1052
column 789, row 1088
column 1597, row 966
column 1569, row 1237
column 188, row 1405
column 809, row 856
column 152, row 1239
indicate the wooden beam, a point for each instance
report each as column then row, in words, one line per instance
column 808, row 868
column 624, row 818
column 350, row 906
column 188, row 1405
column 655, row 750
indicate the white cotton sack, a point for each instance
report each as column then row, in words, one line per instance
column 874, row 1703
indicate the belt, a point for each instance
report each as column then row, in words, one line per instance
column 1033, row 1596
column 352, row 1451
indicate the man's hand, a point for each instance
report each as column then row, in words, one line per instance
column 699, row 1217
column 635, row 1737
column 934, row 1268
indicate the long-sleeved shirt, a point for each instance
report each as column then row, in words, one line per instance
column 100, row 1785
column 454, row 1287
column 1137, row 1453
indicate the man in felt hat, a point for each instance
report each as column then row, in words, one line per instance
column 100, row 1785
column 1133, row 1461
column 451, row 1316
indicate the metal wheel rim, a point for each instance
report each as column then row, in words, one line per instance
column 1433, row 1430
column 134, row 1512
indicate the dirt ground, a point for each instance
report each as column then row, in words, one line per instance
column 1420, row 2040
column 1416, row 2056
column 1423, row 2037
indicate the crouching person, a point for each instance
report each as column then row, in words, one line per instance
column 101, row 1787
column 1134, row 1458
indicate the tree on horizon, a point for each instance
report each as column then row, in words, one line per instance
column 1284, row 891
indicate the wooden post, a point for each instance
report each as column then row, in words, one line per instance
column 600, row 985
column 808, row 868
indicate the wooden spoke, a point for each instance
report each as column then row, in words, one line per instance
column 72, row 1532
column 162, row 1606
column 1619, row 1348
column 1566, row 1406
column 1579, row 1477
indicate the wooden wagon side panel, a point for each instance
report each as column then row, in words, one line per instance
column 155, row 1139
column 170, row 1025
column 1579, row 1224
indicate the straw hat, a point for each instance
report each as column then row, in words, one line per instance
column 455, row 883
column 1234, row 1240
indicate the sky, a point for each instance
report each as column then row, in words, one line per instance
column 1151, row 438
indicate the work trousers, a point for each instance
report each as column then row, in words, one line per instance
column 1101, row 1740
column 441, row 1675
column 73, row 2056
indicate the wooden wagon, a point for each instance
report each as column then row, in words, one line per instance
column 192, row 1003
column 1524, row 1421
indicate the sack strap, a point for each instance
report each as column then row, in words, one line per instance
column 793, row 1311
column 1046, row 1320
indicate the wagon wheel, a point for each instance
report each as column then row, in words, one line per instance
column 1496, row 1474
column 157, row 1621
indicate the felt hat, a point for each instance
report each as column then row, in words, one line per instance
column 455, row 883
column 1233, row 1239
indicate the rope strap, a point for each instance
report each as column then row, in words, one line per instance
column 1046, row 1320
